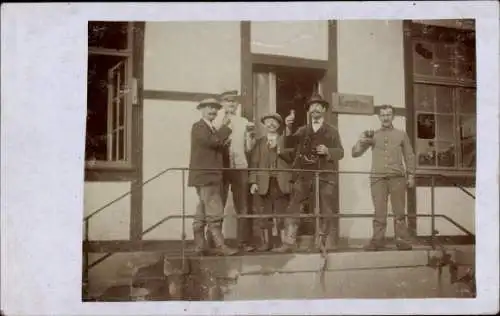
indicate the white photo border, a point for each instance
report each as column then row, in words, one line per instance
column 43, row 93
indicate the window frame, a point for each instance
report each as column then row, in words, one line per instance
column 455, row 85
column 130, row 99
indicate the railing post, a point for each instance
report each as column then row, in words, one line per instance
column 433, row 213
column 183, row 218
column 317, row 211
column 86, row 262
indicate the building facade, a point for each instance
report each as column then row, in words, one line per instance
column 145, row 80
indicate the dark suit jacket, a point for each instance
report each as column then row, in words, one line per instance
column 207, row 148
column 326, row 135
column 258, row 159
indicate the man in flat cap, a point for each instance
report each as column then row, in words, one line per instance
column 208, row 144
column 242, row 140
column 317, row 147
column 271, row 188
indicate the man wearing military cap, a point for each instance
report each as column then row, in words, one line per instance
column 208, row 144
column 241, row 141
column 271, row 188
column 317, row 147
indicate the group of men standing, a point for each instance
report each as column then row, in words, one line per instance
column 223, row 140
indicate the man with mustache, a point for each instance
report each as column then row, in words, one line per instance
column 271, row 188
column 208, row 144
column 390, row 147
column 241, row 142
column 318, row 147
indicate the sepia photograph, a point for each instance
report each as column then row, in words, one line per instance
column 268, row 160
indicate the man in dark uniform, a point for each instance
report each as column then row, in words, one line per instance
column 390, row 147
column 208, row 144
column 318, row 147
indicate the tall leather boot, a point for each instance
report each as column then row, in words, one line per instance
column 199, row 241
column 220, row 246
column 265, row 239
column 290, row 239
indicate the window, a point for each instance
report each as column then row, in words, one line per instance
column 444, row 97
column 109, row 94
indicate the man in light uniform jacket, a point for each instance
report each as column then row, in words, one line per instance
column 389, row 177
column 241, row 142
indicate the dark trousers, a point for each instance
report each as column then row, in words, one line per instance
column 274, row 202
column 238, row 181
column 304, row 190
column 381, row 189
column 209, row 210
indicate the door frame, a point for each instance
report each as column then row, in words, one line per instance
column 329, row 82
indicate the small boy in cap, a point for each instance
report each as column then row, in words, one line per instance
column 208, row 144
column 271, row 188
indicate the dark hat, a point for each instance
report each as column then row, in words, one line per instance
column 230, row 95
column 209, row 102
column 275, row 116
column 317, row 99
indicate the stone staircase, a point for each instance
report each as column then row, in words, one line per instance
column 160, row 276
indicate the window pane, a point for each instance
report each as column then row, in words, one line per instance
column 424, row 97
column 444, row 51
column 422, row 58
column 112, row 35
column 121, row 145
column 444, row 99
column 466, row 71
column 446, row 153
column 445, row 128
column 121, row 117
column 426, row 126
column 468, row 140
column 444, row 68
column 97, row 104
column 467, row 100
column 426, row 153
column 114, row 122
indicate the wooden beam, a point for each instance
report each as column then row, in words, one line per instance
column 287, row 61
column 246, row 71
column 410, row 113
column 137, row 133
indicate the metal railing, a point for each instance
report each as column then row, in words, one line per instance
column 316, row 214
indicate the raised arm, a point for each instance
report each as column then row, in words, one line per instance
column 213, row 140
column 361, row 146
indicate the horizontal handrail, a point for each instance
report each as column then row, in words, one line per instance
column 430, row 175
column 462, row 188
column 262, row 216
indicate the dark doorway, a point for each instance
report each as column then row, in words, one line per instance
column 294, row 86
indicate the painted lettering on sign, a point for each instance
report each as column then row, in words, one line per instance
column 352, row 103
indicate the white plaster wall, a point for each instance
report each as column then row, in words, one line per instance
column 192, row 56
column 449, row 201
column 167, row 131
column 189, row 57
column 370, row 62
column 112, row 223
column 305, row 39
